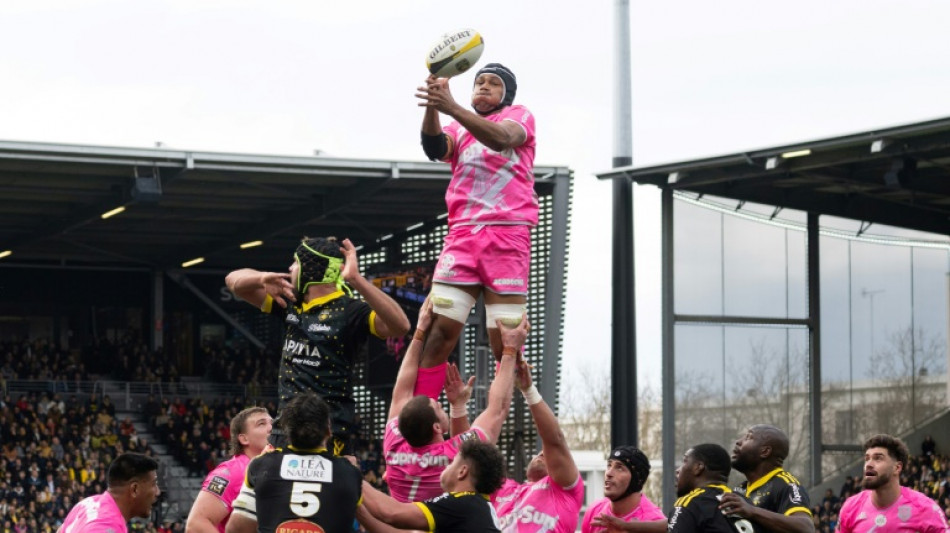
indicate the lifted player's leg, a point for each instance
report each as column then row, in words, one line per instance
column 508, row 308
column 451, row 305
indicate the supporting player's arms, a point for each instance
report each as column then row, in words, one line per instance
column 207, row 512
column 409, row 368
column 391, row 320
column 499, row 395
column 458, row 393
column 396, row 514
column 557, row 455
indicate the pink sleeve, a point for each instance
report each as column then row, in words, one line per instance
column 225, row 481
column 473, row 433
column 523, row 117
column 588, row 516
column 452, row 130
column 844, row 517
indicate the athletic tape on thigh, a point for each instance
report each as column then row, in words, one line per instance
column 509, row 314
column 451, row 302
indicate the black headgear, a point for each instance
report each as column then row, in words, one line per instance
column 638, row 465
column 318, row 261
column 507, row 78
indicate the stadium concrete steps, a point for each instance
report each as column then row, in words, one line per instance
column 179, row 487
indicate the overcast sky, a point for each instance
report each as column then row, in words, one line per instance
column 288, row 77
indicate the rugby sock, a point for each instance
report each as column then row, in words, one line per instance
column 430, row 381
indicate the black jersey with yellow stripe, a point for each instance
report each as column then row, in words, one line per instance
column 460, row 512
column 323, row 338
column 779, row 492
column 699, row 511
column 300, row 490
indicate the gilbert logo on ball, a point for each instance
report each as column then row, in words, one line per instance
column 454, row 53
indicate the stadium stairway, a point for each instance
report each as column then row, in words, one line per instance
column 179, row 487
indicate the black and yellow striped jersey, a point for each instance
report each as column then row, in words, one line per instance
column 778, row 491
column 460, row 512
column 305, row 491
column 699, row 511
column 323, row 338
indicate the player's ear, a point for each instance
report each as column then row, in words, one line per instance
column 463, row 471
column 765, row 451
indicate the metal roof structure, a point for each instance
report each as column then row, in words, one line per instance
column 181, row 205
column 897, row 176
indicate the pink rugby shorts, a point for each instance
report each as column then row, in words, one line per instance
column 497, row 257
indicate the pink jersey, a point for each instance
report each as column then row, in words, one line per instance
column 95, row 514
column 912, row 511
column 490, row 187
column 225, row 482
column 645, row 512
column 539, row 507
column 413, row 473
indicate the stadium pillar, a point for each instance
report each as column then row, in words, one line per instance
column 157, row 326
column 668, row 436
column 623, row 353
column 554, row 289
column 814, row 348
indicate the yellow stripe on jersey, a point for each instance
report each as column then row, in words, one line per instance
column 794, row 510
column 684, row 501
column 761, row 481
column 790, row 479
column 429, row 518
column 268, row 303
column 372, row 325
column 321, row 300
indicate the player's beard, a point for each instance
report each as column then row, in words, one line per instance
column 878, row 481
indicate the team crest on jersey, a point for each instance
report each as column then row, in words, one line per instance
column 217, row 485
column 306, row 468
column 444, row 267
column 469, row 435
column 323, row 316
column 292, row 319
column 903, row 512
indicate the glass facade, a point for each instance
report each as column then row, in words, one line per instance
column 884, row 318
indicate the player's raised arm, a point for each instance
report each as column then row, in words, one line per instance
column 409, row 368
column 435, row 143
column 458, row 393
column 391, row 320
column 499, row 395
column 557, row 455
column 253, row 286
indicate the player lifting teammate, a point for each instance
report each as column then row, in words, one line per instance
column 415, row 450
column 325, row 326
column 492, row 207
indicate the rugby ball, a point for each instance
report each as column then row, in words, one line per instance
column 454, row 53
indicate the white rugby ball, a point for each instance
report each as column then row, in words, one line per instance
column 454, row 53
